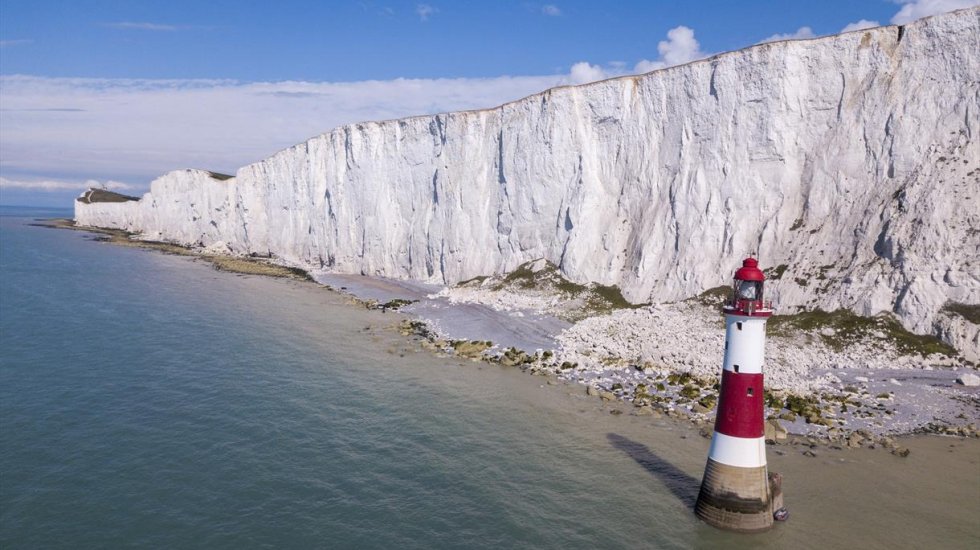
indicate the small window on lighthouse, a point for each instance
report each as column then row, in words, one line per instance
column 736, row 368
column 749, row 392
column 739, row 326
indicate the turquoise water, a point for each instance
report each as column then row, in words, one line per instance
column 149, row 401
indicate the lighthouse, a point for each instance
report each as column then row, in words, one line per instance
column 737, row 491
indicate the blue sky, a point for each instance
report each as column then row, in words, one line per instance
column 363, row 40
column 118, row 92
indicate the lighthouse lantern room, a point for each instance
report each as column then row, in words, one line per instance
column 737, row 492
column 747, row 297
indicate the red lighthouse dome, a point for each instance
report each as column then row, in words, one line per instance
column 750, row 271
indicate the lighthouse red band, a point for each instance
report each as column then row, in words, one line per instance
column 738, row 417
column 736, row 492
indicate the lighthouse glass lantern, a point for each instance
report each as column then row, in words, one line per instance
column 738, row 492
column 748, row 289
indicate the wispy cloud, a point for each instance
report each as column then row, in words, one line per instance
column 143, row 26
column 801, row 33
column 16, row 42
column 57, row 185
column 859, row 25
column 916, row 9
column 47, row 110
column 135, row 130
column 551, row 10
column 425, row 11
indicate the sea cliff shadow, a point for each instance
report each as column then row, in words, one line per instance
column 683, row 486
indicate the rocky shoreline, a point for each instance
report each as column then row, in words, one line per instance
column 834, row 379
column 220, row 259
column 843, row 383
column 820, row 419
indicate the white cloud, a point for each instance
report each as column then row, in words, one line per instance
column 135, row 130
column 57, row 185
column 646, row 66
column 862, row 24
column 915, row 9
column 143, row 26
column 679, row 48
column 551, row 10
column 425, row 11
column 801, row 33
column 583, row 72
column 71, row 129
column 910, row 11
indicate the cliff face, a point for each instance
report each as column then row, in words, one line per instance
column 853, row 160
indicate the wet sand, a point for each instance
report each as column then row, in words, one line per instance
column 847, row 498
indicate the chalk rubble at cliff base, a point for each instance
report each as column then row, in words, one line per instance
column 668, row 356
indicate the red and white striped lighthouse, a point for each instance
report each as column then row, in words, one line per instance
column 737, row 492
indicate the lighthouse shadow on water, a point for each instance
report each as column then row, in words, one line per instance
column 681, row 485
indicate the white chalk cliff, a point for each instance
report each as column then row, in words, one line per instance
column 852, row 159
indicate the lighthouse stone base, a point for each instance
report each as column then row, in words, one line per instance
column 739, row 499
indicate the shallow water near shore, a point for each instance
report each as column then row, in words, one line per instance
column 148, row 400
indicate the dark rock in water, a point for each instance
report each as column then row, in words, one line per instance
column 809, row 453
column 901, row 451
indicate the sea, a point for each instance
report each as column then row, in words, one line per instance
column 150, row 401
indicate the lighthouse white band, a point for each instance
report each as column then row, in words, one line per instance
column 742, row 452
column 745, row 343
